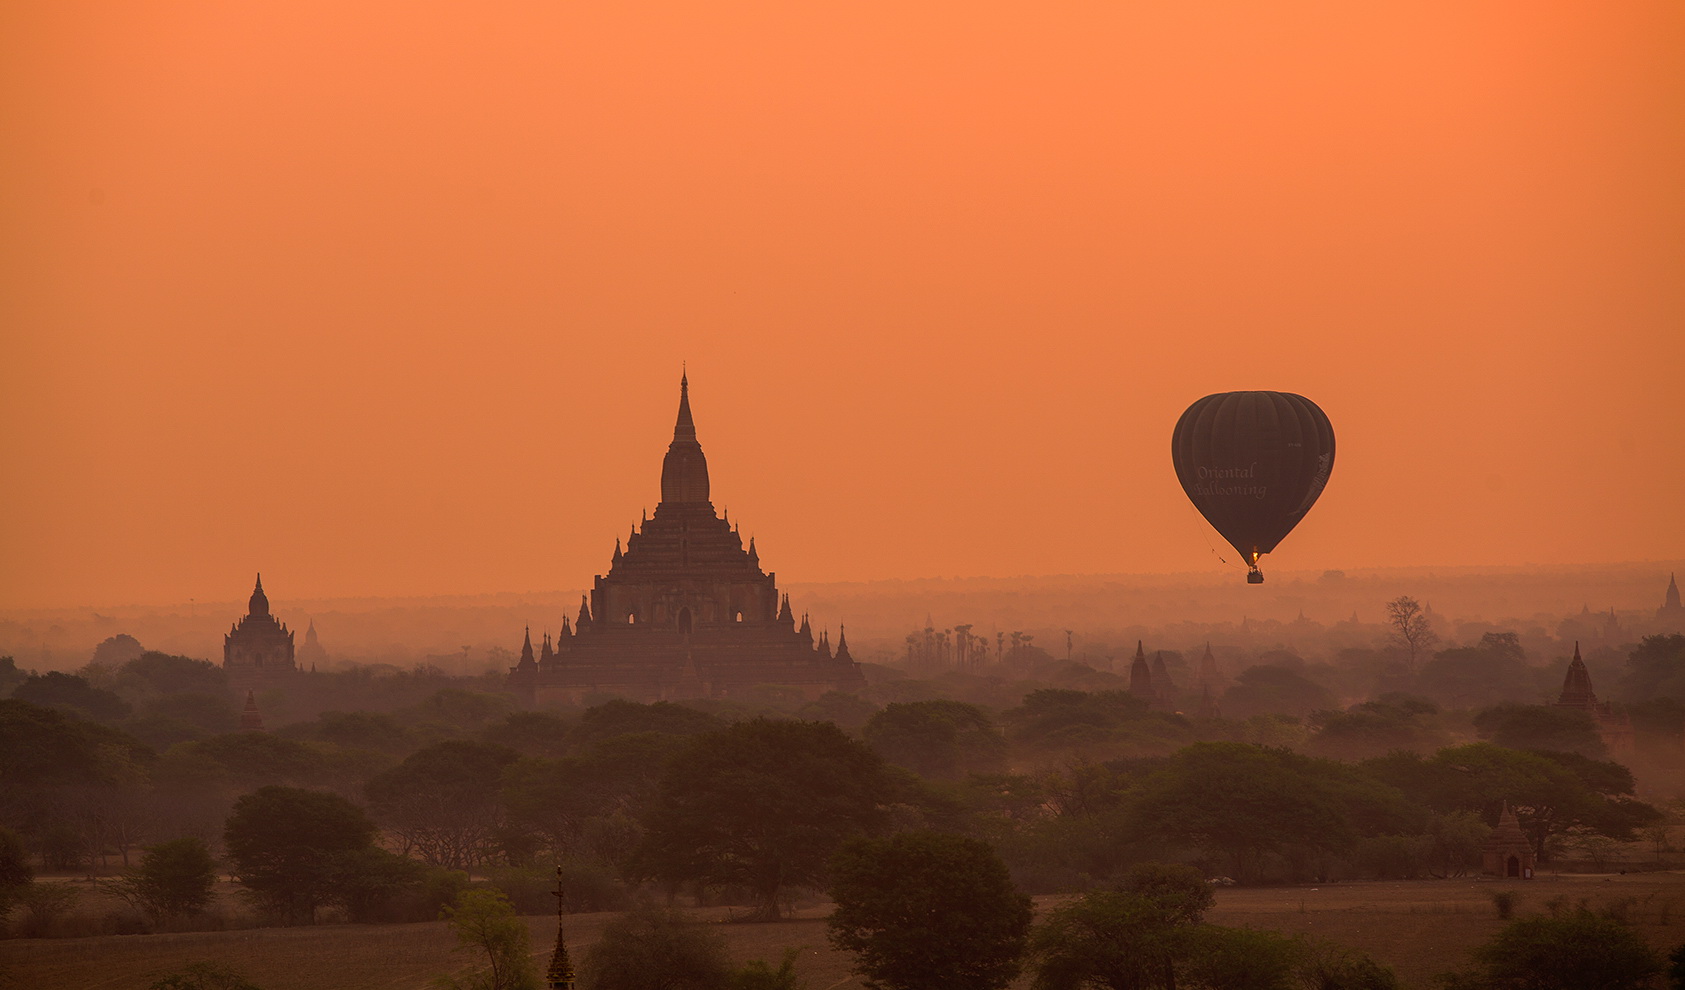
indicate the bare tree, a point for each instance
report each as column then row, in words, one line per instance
column 1409, row 626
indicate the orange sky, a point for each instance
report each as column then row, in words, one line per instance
column 393, row 301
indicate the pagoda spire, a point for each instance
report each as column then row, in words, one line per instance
column 684, row 471
column 584, row 614
column 685, row 427
column 560, row 974
column 526, row 649
column 251, row 720
column 1140, row 676
column 842, row 643
column 1576, row 685
column 259, row 603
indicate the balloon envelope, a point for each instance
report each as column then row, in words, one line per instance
column 1253, row 463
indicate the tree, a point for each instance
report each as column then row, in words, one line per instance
column 1178, row 891
column 1270, row 689
column 287, row 846
column 204, row 976
column 69, row 692
column 1147, row 934
column 847, row 711
column 1454, row 843
column 1552, row 794
column 655, row 949
column 485, row 921
column 10, row 676
column 1108, row 940
column 1243, row 802
column 1372, row 728
column 1052, row 718
column 620, row 717
column 757, row 975
column 1565, row 730
column 763, row 804
column 1239, row 959
column 539, row 734
column 15, row 873
column 174, row 878
column 1410, row 627
column 1132, row 937
column 116, row 651
column 1582, row 951
column 162, row 673
column 254, row 759
column 374, row 731
column 451, row 711
column 942, row 739
column 927, row 910
column 1656, row 668
column 1476, row 676
column 442, row 801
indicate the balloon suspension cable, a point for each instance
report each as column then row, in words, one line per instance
column 1205, row 533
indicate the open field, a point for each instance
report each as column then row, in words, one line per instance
column 1419, row 928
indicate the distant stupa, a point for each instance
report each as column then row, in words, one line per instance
column 1141, row 676
column 1615, row 729
column 1672, row 612
column 311, row 653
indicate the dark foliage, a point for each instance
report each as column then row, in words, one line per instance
column 442, row 801
column 295, row 849
column 162, row 673
column 1565, row 730
column 925, row 910
column 941, row 739
column 763, row 805
column 69, row 692
column 1581, row 951
column 653, row 949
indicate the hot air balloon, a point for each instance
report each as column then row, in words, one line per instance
column 1253, row 463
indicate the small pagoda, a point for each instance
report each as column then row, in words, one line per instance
column 1507, row 852
column 560, row 974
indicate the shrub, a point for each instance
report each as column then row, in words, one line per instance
column 1504, row 901
column 651, row 947
column 1573, row 952
column 204, row 976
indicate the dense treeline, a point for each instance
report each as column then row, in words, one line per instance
column 395, row 804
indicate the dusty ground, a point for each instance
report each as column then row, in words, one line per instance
column 1419, row 928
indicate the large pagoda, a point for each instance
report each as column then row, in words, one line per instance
column 258, row 649
column 685, row 611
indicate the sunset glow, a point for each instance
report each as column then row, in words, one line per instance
column 393, row 299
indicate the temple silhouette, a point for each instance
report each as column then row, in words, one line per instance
column 1615, row 728
column 685, row 611
column 258, row 650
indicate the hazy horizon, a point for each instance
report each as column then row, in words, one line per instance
column 1221, row 577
